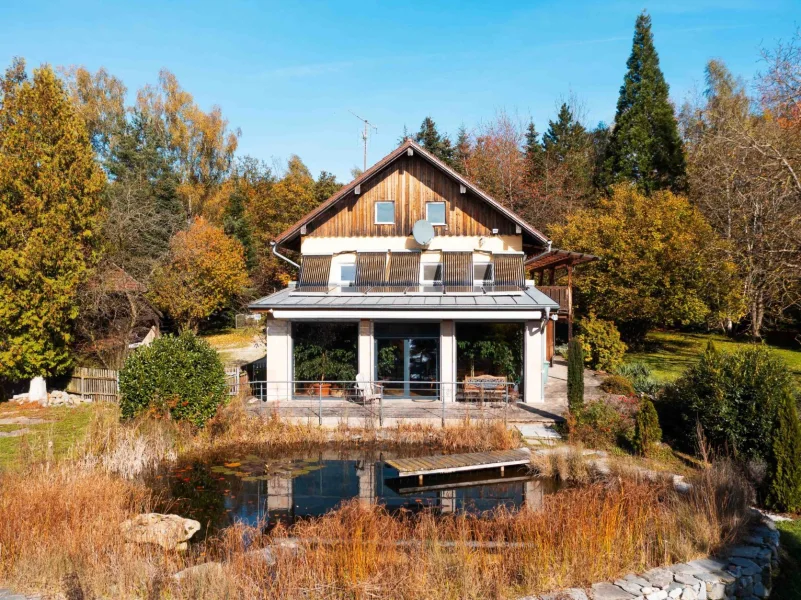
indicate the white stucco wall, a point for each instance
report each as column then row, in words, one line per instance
column 447, row 358
column 279, row 359
column 534, row 358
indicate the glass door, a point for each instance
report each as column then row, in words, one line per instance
column 407, row 359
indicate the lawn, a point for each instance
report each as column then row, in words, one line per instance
column 63, row 427
column 787, row 586
column 669, row 353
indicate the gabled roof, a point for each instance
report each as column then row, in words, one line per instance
column 400, row 151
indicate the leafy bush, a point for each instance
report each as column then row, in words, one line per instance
column 647, row 432
column 784, row 483
column 604, row 423
column 734, row 398
column 181, row 376
column 575, row 375
column 617, row 384
column 603, row 349
column 640, row 376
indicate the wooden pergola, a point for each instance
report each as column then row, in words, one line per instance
column 545, row 265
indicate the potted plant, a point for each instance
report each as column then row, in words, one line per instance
column 321, row 363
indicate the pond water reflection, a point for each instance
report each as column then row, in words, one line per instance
column 221, row 490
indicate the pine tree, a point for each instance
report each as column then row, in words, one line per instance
column 784, row 483
column 564, row 135
column 645, row 146
column 575, row 375
column 431, row 139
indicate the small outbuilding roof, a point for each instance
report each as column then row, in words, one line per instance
column 555, row 258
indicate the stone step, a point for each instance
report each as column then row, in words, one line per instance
column 539, row 433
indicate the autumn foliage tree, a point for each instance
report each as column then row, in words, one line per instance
column 660, row 262
column 204, row 272
column 50, row 213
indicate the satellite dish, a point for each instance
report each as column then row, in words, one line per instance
column 423, row 232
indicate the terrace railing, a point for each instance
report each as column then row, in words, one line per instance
column 385, row 399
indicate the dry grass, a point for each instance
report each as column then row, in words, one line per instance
column 233, row 425
column 59, row 525
column 64, row 520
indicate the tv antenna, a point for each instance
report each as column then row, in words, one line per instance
column 365, row 134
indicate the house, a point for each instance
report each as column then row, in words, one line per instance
column 418, row 261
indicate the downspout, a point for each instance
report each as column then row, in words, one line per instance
column 281, row 256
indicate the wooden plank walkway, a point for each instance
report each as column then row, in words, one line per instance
column 454, row 463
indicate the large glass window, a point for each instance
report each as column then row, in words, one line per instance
column 384, row 213
column 407, row 359
column 435, row 213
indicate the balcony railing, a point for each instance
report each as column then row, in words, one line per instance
column 560, row 294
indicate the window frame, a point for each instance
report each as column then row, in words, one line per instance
column 375, row 212
column 347, row 282
column 430, row 282
column 480, row 282
column 444, row 213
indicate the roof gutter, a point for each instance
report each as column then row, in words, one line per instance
column 282, row 257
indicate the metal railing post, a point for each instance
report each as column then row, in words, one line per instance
column 381, row 409
column 443, row 409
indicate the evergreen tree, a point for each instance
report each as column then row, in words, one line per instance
column 645, row 146
column 564, row 135
column 431, row 139
column 646, row 428
column 462, row 150
column 533, row 152
column 784, row 483
column 237, row 225
column 575, row 375
column 50, row 214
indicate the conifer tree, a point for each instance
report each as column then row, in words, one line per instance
column 575, row 375
column 533, row 151
column 564, row 135
column 462, row 150
column 784, row 481
column 645, row 146
column 437, row 144
column 50, row 214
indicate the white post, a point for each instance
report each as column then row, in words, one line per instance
column 279, row 359
column 533, row 359
column 447, row 360
column 366, row 349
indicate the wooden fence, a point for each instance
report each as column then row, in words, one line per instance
column 96, row 384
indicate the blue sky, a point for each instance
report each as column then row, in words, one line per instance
column 288, row 73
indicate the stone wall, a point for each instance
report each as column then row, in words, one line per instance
column 743, row 573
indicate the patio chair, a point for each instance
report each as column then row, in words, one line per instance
column 366, row 390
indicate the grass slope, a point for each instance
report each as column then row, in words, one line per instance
column 787, row 586
column 669, row 353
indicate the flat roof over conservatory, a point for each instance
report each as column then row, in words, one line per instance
column 410, row 298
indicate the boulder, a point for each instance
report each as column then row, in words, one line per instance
column 171, row 532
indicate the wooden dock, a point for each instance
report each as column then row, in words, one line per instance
column 455, row 463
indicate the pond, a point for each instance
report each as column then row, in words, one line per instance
column 258, row 487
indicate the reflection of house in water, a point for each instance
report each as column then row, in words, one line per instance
column 288, row 496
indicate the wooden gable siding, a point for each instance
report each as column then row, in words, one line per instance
column 410, row 182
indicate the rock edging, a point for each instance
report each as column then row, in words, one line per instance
column 744, row 572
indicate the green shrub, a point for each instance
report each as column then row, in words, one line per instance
column 181, row 376
column 617, row 384
column 784, row 476
column 734, row 397
column 641, row 377
column 603, row 349
column 647, row 432
column 604, row 423
column 575, row 375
